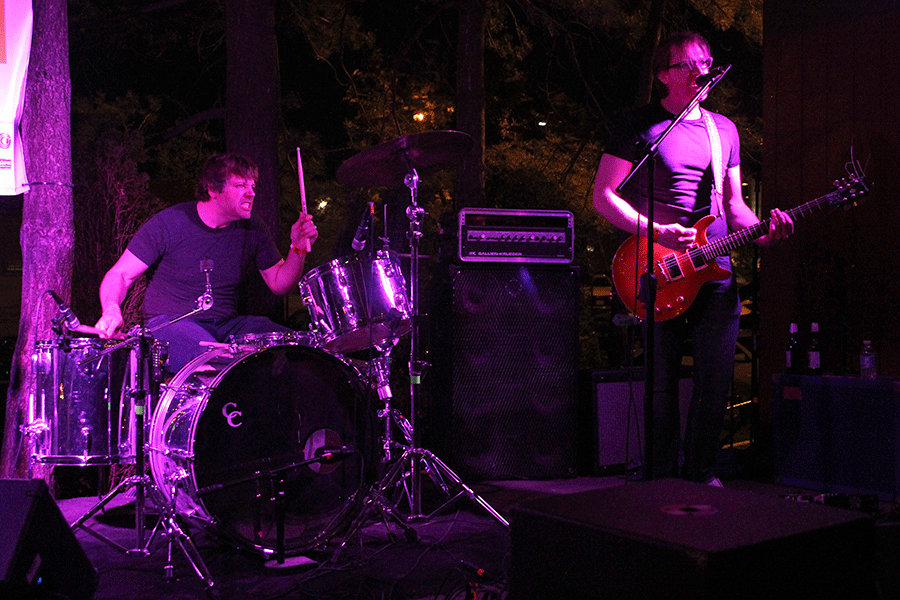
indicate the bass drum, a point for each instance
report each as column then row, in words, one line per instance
column 235, row 426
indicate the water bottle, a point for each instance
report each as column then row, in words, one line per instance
column 793, row 355
column 813, row 354
column 867, row 366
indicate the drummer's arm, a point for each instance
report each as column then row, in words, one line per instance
column 113, row 288
column 283, row 277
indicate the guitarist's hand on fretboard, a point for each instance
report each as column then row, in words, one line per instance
column 781, row 227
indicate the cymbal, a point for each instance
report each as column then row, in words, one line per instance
column 388, row 163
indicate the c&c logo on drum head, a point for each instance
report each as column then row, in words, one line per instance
column 232, row 414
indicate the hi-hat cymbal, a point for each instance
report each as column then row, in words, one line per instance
column 388, row 163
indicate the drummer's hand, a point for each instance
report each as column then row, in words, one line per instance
column 109, row 322
column 304, row 229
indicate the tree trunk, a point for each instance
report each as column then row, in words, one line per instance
column 470, row 98
column 253, row 114
column 48, row 231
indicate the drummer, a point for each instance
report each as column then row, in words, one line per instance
column 216, row 240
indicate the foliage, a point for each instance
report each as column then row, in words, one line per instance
column 111, row 198
column 148, row 84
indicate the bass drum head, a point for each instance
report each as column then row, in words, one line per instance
column 267, row 415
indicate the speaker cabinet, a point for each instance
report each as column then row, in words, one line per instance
column 619, row 401
column 39, row 555
column 677, row 539
column 505, row 378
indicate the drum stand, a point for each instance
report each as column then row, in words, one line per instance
column 144, row 487
column 405, row 474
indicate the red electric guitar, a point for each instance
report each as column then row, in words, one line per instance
column 679, row 275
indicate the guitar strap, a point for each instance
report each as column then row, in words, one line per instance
column 715, row 146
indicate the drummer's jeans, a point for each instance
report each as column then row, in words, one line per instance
column 185, row 337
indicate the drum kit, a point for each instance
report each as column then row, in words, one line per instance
column 264, row 441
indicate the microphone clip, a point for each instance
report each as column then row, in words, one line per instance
column 205, row 300
column 66, row 316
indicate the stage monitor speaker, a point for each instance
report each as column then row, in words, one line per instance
column 676, row 539
column 39, row 555
column 619, row 401
column 505, row 387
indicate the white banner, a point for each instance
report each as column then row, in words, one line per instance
column 15, row 50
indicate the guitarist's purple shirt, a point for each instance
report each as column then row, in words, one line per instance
column 683, row 174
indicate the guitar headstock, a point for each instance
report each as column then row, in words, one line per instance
column 849, row 190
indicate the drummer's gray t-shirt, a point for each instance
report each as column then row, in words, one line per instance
column 175, row 242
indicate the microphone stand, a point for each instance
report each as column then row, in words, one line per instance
column 277, row 479
column 648, row 284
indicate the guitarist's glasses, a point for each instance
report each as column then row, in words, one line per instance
column 689, row 66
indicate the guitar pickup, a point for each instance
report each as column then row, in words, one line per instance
column 670, row 268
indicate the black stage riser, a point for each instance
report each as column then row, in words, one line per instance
column 39, row 555
column 675, row 539
column 505, row 387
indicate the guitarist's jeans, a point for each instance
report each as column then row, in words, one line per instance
column 711, row 326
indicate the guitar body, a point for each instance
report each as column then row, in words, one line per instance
column 679, row 275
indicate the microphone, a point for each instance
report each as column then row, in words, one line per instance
column 480, row 573
column 70, row 319
column 713, row 74
column 359, row 240
column 327, row 454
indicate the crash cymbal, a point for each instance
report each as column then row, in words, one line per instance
column 388, row 163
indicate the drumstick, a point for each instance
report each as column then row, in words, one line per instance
column 82, row 328
column 302, row 194
column 209, row 344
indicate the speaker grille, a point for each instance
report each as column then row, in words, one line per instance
column 513, row 339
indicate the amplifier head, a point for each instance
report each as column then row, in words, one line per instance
column 507, row 235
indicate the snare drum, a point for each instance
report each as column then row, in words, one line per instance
column 237, row 424
column 356, row 303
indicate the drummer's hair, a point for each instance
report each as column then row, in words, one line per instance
column 217, row 169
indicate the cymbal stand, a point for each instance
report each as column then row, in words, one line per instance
column 406, row 473
column 143, row 485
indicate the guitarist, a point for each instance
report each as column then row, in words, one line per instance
column 685, row 190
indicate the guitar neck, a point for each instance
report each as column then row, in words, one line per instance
column 724, row 245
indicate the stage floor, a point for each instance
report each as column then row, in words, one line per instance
column 463, row 552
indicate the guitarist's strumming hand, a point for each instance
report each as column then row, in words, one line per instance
column 674, row 236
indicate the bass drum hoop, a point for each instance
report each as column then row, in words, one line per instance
column 234, row 425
